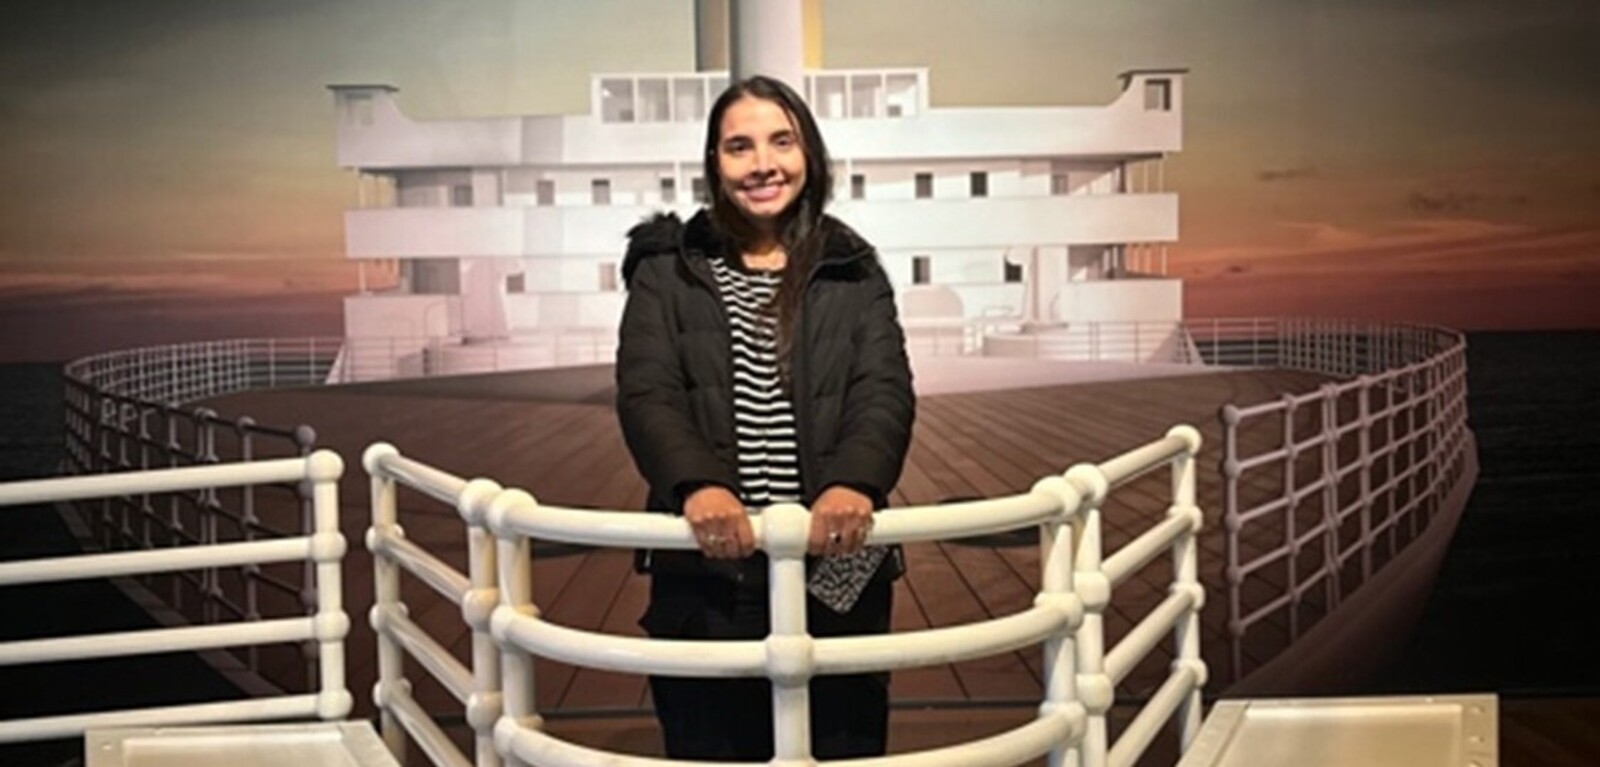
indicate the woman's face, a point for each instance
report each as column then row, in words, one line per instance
column 760, row 159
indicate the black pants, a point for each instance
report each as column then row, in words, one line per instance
column 731, row 719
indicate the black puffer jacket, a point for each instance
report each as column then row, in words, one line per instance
column 852, row 384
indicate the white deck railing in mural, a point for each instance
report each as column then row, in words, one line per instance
column 180, row 373
column 1334, row 347
column 183, row 373
column 1350, row 473
column 324, row 547
column 1080, row 675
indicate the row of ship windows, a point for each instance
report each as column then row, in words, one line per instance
column 600, row 189
column 921, row 274
column 686, row 98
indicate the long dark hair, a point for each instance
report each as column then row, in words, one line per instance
column 800, row 226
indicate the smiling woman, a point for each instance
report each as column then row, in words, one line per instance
column 761, row 362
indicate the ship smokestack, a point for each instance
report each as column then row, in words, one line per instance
column 777, row 38
column 710, row 35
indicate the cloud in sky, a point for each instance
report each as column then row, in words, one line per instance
column 1286, row 174
column 1437, row 263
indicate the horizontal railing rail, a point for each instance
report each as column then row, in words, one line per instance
column 326, row 626
column 1084, row 341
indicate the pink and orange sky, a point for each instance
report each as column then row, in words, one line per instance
column 167, row 172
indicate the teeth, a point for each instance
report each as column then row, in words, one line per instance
column 765, row 192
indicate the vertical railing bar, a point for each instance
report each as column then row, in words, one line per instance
column 1186, row 578
column 385, row 599
column 514, row 566
column 1094, row 589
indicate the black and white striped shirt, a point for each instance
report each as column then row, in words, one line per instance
column 763, row 418
column 763, row 415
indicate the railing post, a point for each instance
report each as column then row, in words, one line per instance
column 1056, row 588
column 305, row 438
column 1332, row 587
column 1255, row 343
column 514, row 566
column 206, row 506
column 146, row 506
column 127, row 414
column 1291, row 532
column 485, row 705
column 385, row 598
column 789, row 647
column 1364, row 434
column 107, row 419
column 247, row 523
column 323, row 470
column 1094, row 588
column 1233, row 572
column 1186, row 579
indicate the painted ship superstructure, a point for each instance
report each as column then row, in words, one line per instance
column 504, row 235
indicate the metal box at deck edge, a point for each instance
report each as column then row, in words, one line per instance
column 318, row 744
column 1402, row 731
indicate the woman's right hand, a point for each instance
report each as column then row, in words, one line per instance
column 720, row 523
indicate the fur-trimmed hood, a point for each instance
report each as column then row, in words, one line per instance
column 665, row 233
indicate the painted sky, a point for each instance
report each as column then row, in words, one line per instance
column 166, row 167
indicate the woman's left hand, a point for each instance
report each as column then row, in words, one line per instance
column 840, row 520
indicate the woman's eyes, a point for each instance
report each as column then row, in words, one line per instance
column 741, row 146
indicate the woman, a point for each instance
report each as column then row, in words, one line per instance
column 761, row 361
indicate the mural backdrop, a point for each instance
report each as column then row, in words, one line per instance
column 167, row 174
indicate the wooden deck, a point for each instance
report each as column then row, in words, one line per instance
column 555, row 434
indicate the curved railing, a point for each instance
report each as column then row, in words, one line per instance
column 1323, row 488
column 1080, row 675
column 180, row 373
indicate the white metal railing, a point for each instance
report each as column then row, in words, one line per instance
column 1081, row 676
column 1350, row 473
column 182, row 373
column 1093, row 341
column 475, row 594
column 112, row 433
column 326, row 627
column 179, row 373
column 1336, row 347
